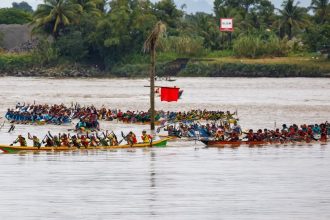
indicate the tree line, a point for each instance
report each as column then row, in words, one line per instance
column 106, row 33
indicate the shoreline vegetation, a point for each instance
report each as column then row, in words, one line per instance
column 99, row 38
column 24, row 65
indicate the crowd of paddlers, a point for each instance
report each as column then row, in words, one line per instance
column 227, row 132
column 83, row 140
column 193, row 124
column 89, row 115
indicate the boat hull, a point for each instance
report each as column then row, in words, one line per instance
column 212, row 143
column 15, row 149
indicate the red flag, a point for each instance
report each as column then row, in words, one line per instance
column 169, row 94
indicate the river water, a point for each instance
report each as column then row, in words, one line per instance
column 183, row 181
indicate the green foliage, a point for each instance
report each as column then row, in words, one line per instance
column 321, row 8
column 72, row 46
column 167, row 12
column 220, row 53
column 183, row 45
column 45, row 53
column 9, row 62
column 23, row 6
column 317, row 37
column 255, row 45
column 199, row 69
column 14, row 16
column 54, row 15
column 293, row 18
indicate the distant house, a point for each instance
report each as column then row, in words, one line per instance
column 15, row 35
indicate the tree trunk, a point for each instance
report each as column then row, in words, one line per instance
column 152, row 89
column 290, row 32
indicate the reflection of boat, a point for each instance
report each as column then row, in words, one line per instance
column 214, row 143
column 167, row 78
column 15, row 149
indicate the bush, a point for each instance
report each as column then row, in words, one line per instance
column 201, row 69
column 45, row 53
column 9, row 62
column 254, row 46
column 14, row 16
column 72, row 46
column 183, row 45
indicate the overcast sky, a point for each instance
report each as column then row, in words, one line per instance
column 192, row 5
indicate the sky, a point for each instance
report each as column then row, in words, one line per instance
column 192, row 5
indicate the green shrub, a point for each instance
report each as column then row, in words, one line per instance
column 45, row 53
column 9, row 62
column 14, row 16
column 254, row 46
column 201, row 69
column 183, row 45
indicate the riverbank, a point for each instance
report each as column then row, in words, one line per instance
column 24, row 66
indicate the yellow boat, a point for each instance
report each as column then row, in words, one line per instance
column 15, row 149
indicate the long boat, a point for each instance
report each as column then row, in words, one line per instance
column 215, row 143
column 15, row 149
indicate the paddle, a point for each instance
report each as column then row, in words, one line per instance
column 124, row 138
column 12, row 127
column 3, row 124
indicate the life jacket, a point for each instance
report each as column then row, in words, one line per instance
column 146, row 138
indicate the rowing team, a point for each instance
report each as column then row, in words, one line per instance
column 88, row 140
column 293, row 133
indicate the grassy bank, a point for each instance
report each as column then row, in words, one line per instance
column 11, row 61
column 220, row 65
column 266, row 67
column 213, row 65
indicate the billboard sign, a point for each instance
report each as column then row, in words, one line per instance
column 226, row 24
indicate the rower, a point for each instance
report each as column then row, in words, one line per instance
column 65, row 140
column 220, row 135
column 113, row 141
column 36, row 141
column 103, row 140
column 55, row 139
column 49, row 142
column 75, row 141
column 131, row 138
column 21, row 140
column 94, row 141
column 250, row 135
column 146, row 138
column 85, row 141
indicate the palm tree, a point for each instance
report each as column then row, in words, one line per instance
column 89, row 6
column 54, row 15
column 150, row 45
column 321, row 8
column 292, row 17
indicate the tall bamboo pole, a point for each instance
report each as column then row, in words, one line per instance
column 150, row 45
column 152, row 88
